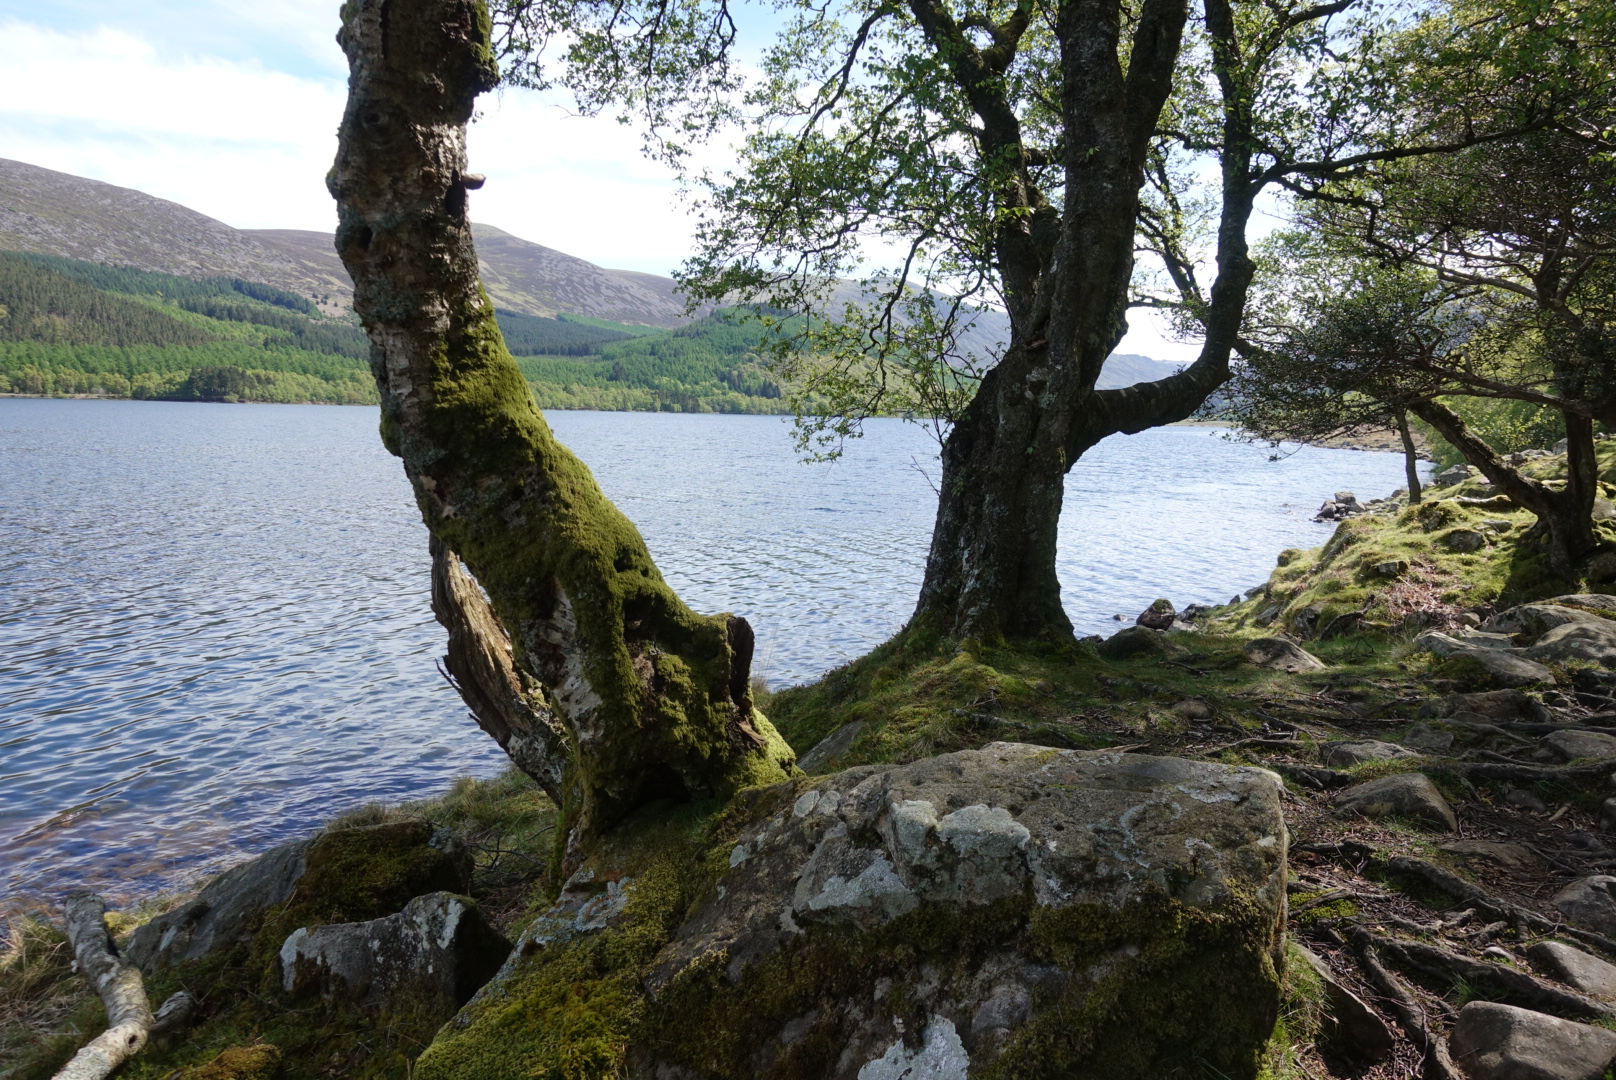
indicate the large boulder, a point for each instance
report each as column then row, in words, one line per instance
column 1406, row 795
column 1278, row 654
column 1577, row 969
column 1016, row 909
column 1594, row 640
column 1505, row 665
column 1528, row 622
column 225, row 912
column 1589, row 903
column 340, row 875
column 433, row 955
column 1500, row 1042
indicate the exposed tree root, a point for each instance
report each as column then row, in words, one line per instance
column 1410, row 1016
column 1527, row 991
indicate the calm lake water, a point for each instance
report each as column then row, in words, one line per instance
column 214, row 623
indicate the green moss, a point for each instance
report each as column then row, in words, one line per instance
column 568, row 1013
column 261, row 1061
column 535, row 529
column 573, row 1011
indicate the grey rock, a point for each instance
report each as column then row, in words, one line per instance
column 1577, row 969
column 1604, row 509
column 1453, row 474
column 229, row 909
column 1505, row 665
column 1158, row 616
column 1501, row 1042
column 1306, row 621
column 832, row 746
column 1570, row 745
column 1390, row 568
column 1357, row 1028
column 438, row 951
column 1428, row 739
column 1280, row 655
column 1516, row 858
column 1496, row 706
column 225, row 912
column 1140, row 641
column 1268, row 614
column 1340, row 755
column 1528, row 622
column 1594, row 640
column 1498, row 525
column 1589, row 904
column 820, row 867
column 1192, row 709
column 1607, row 816
column 1526, row 800
column 1465, row 540
column 1406, row 795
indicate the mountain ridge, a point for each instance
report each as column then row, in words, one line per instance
column 46, row 212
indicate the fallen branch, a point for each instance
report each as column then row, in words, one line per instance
column 118, row 982
column 130, row 1021
column 1410, row 1017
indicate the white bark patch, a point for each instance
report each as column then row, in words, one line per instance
column 942, row 1056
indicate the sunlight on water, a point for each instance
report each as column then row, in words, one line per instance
column 215, row 633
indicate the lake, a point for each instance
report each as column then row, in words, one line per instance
column 215, row 632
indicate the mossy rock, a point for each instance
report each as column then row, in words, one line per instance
column 1013, row 911
column 358, row 874
column 260, row 1061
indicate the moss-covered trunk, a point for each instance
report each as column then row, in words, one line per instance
column 653, row 698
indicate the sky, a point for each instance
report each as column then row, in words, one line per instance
column 231, row 107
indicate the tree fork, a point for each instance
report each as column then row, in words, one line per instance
column 653, row 698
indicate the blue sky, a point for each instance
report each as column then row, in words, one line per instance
column 231, row 106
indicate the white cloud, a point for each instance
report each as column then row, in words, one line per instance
column 575, row 183
column 232, row 139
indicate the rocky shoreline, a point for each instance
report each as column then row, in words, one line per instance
column 1372, row 800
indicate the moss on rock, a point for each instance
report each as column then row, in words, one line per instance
column 260, row 1061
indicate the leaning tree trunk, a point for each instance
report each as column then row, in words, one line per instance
column 1567, row 514
column 1411, row 457
column 606, row 668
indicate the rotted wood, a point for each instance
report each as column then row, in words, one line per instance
column 481, row 666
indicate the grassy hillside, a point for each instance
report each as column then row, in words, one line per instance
column 72, row 327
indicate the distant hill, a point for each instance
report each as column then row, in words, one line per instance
column 1125, row 369
column 580, row 330
column 55, row 213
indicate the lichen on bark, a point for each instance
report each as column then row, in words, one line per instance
column 654, row 698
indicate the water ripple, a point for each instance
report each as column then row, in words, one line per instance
column 215, row 631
